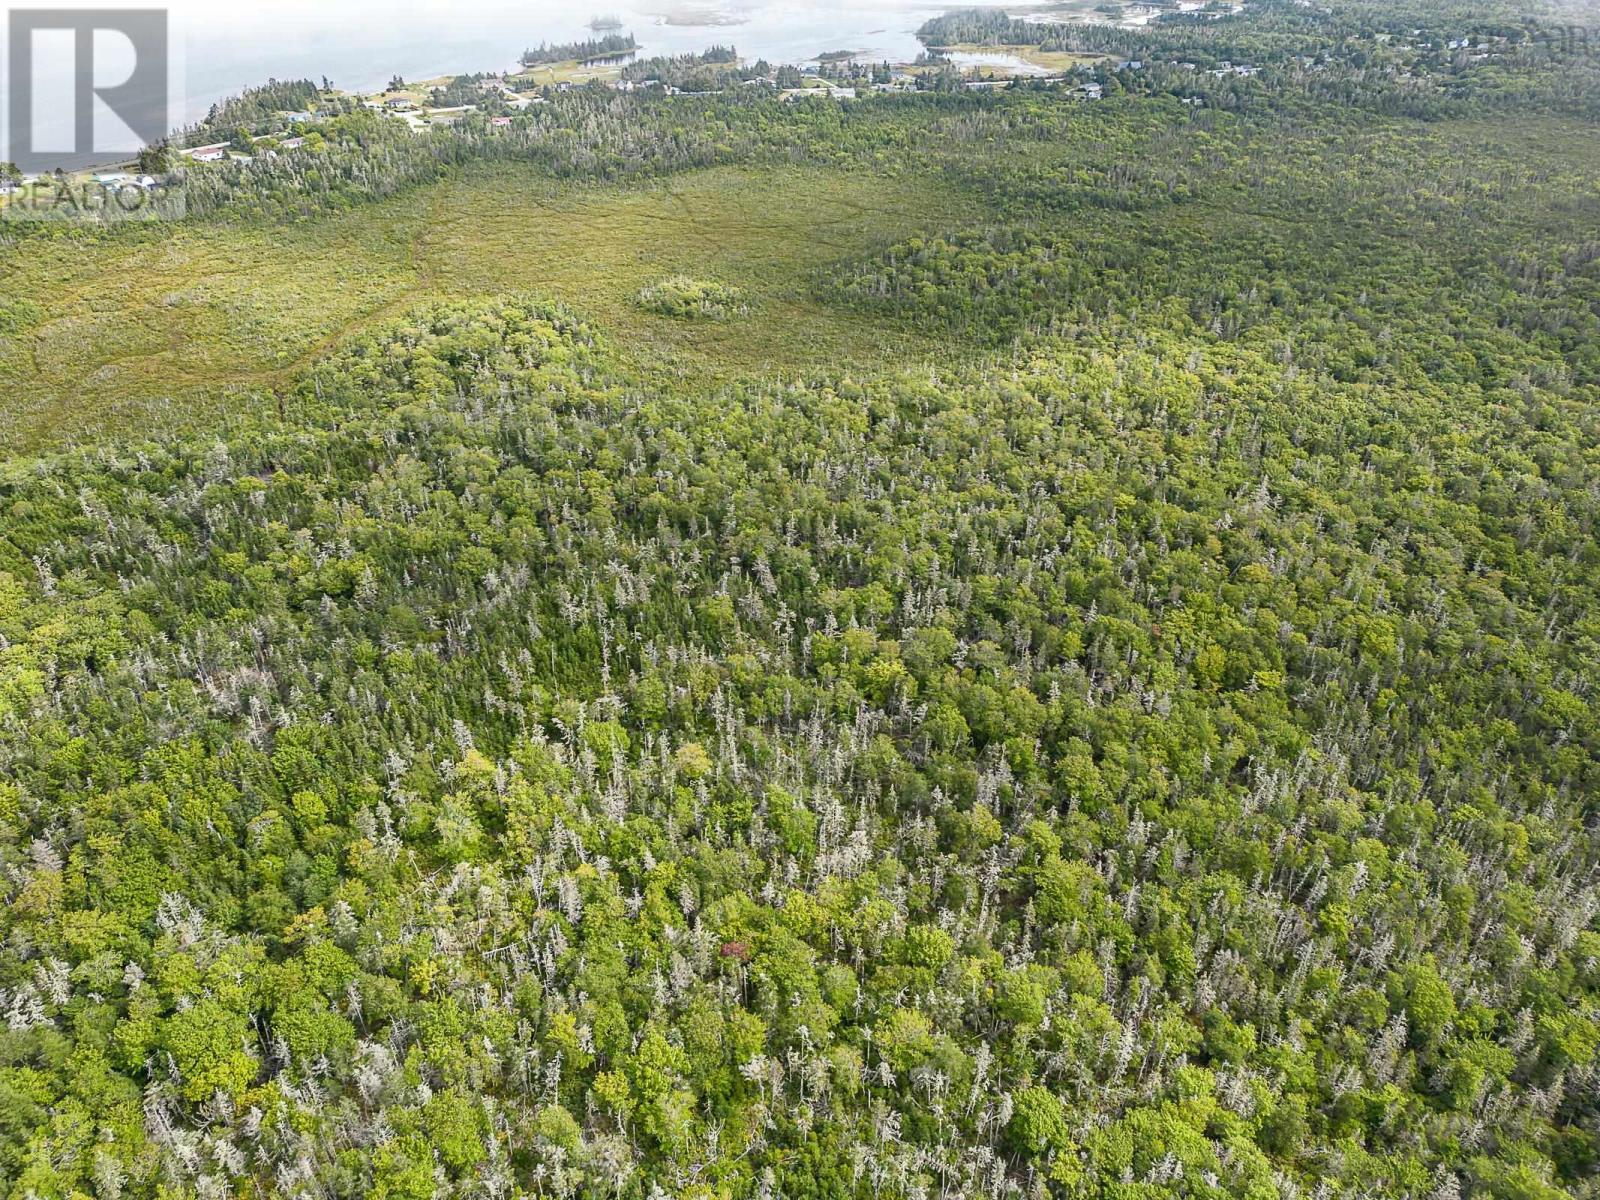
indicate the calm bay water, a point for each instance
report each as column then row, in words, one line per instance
column 360, row 46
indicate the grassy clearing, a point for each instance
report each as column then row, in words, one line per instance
column 157, row 323
column 172, row 325
column 1055, row 60
column 1048, row 60
column 571, row 71
column 418, row 91
column 762, row 232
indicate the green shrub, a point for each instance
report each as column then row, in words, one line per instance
column 692, row 299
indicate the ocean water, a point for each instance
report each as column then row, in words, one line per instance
column 360, row 45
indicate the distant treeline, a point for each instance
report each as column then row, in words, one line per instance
column 1364, row 50
column 978, row 27
column 1306, row 59
column 609, row 46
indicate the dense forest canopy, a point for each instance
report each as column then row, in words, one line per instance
column 1143, row 746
